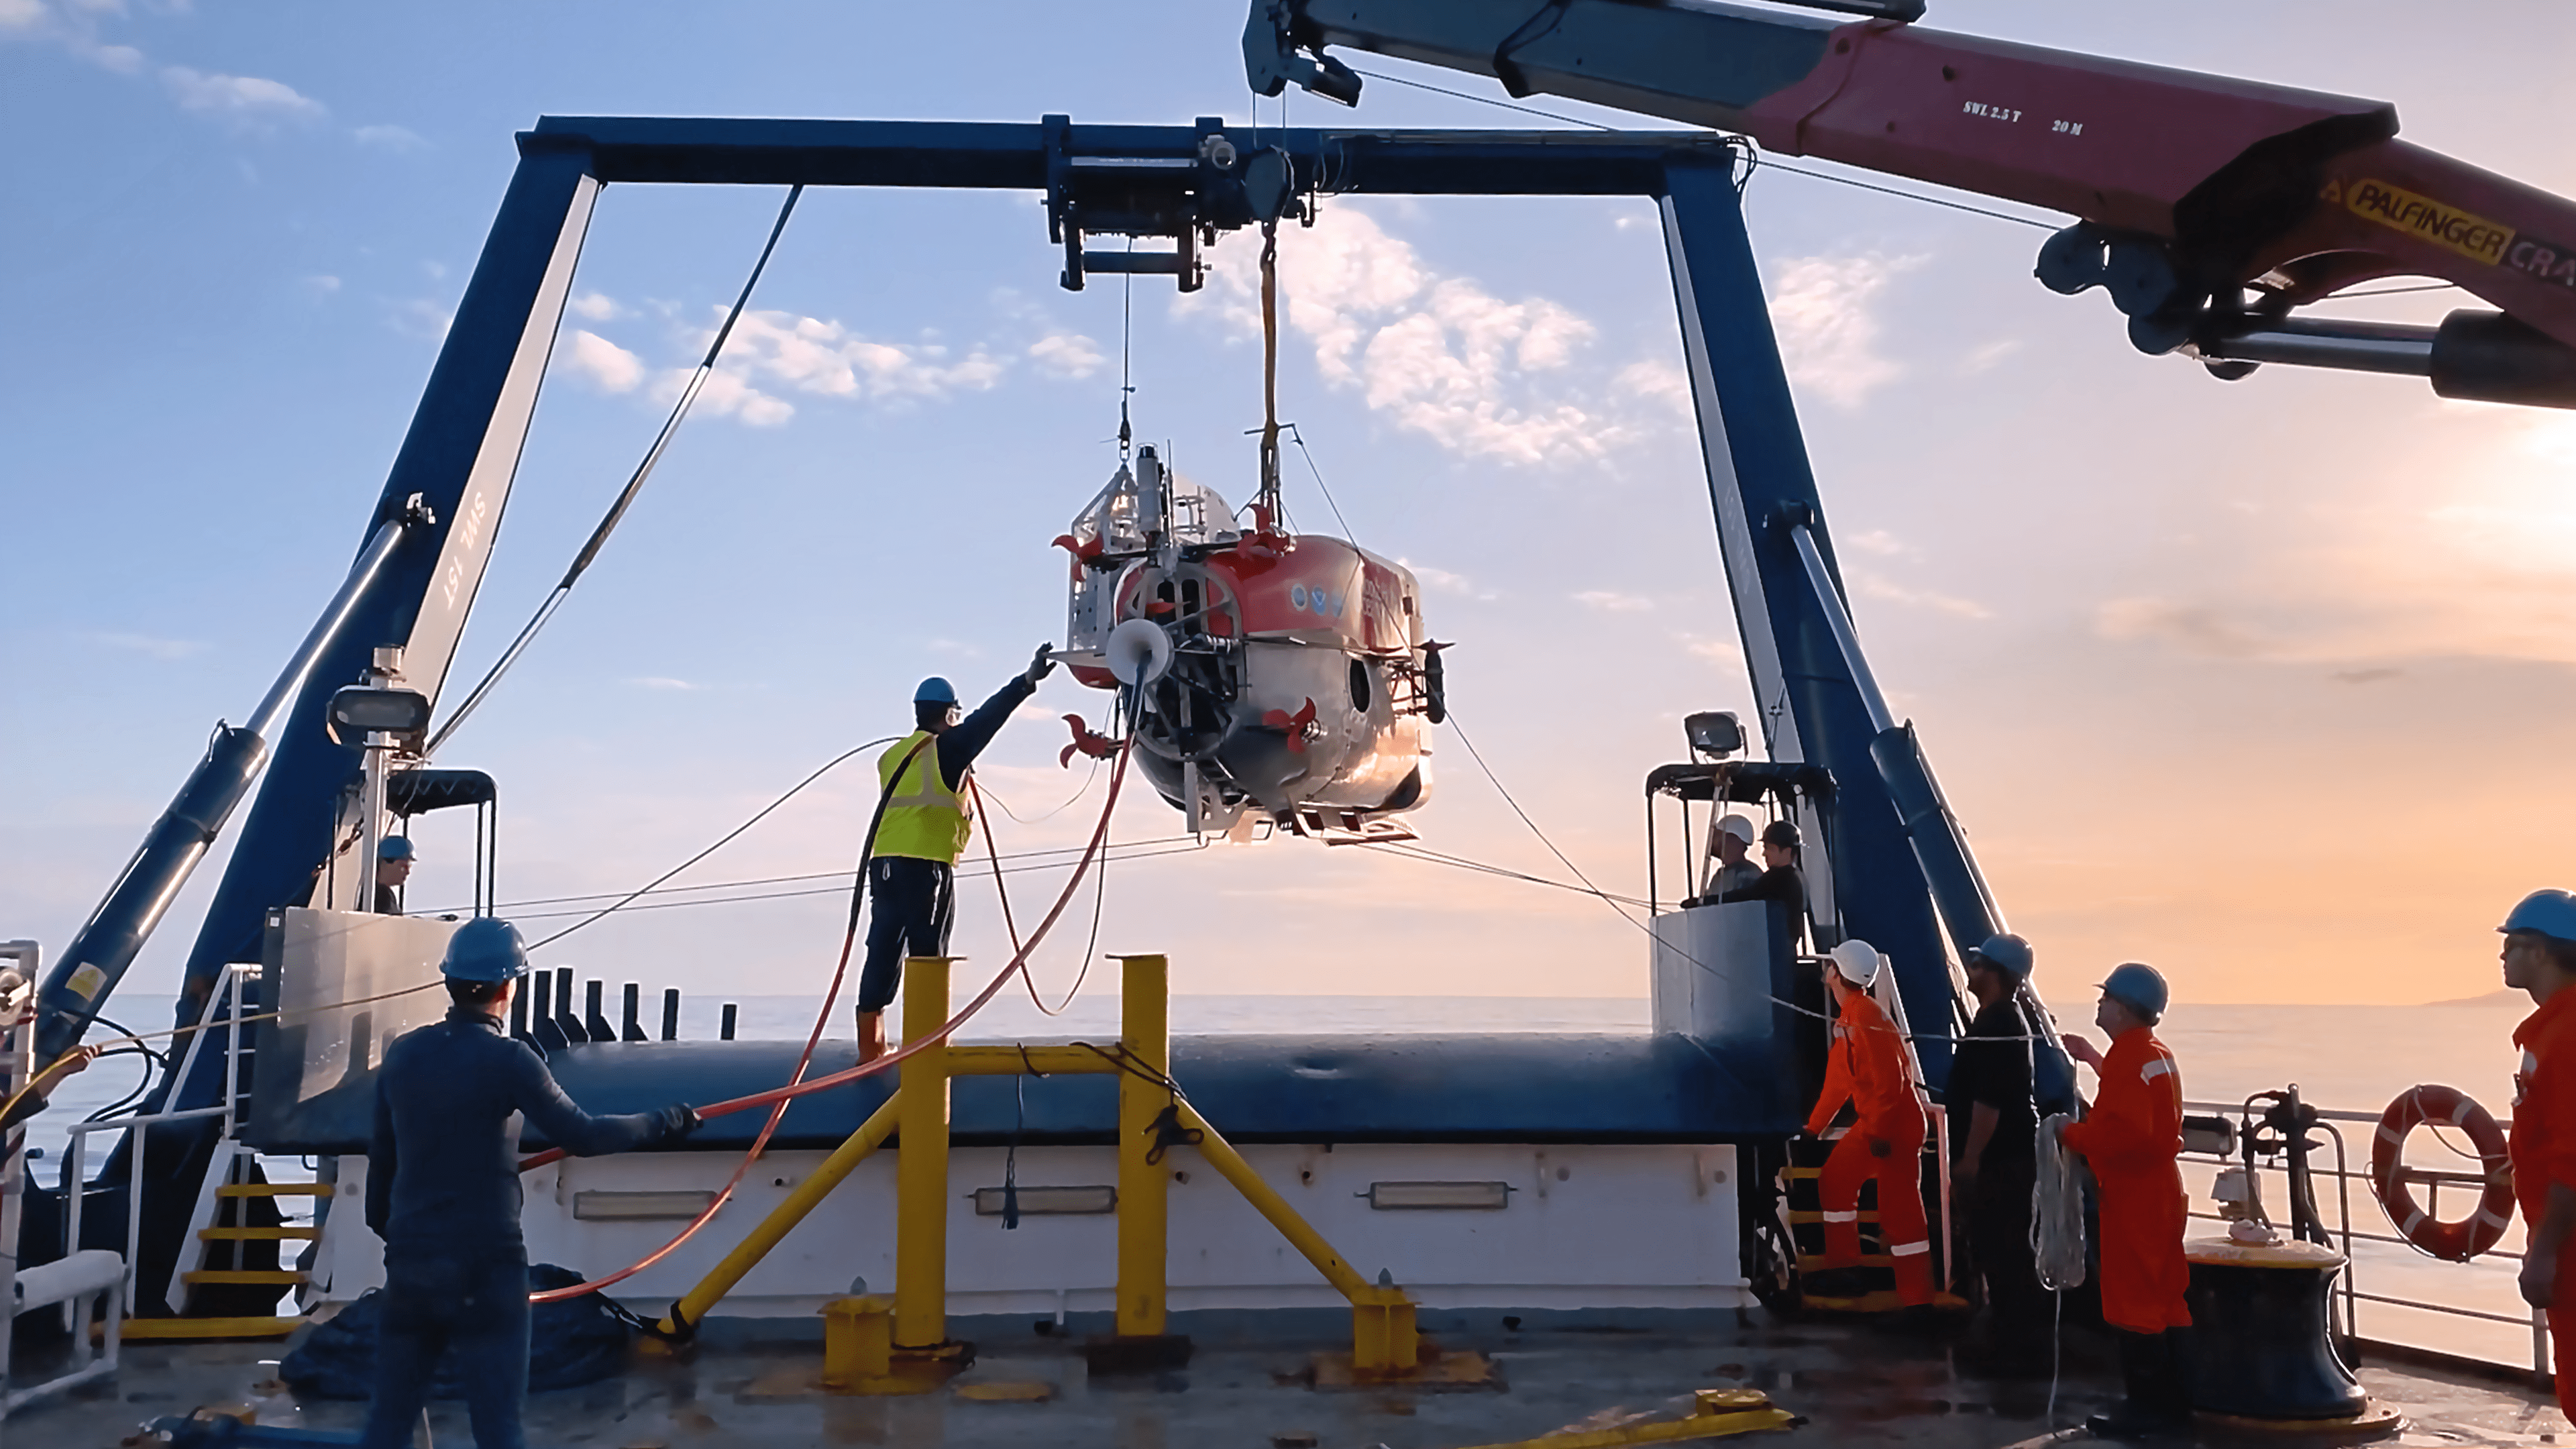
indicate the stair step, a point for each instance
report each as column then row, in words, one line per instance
column 258, row 1235
column 283, row 1277
column 207, row 1328
column 274, row 1189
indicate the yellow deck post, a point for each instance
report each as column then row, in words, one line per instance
column 921, row 1162
column 1144, row 1206
column 858, row 1343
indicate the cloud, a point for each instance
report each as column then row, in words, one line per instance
column 665, row 683
column 595, row 306
column 421, row 317
column 1660, row 383
column 245, row 99
column 1716, row 651
column 1447, row 582
column 1981, row 359
column 1066, row 355
column 148, row 645
column 826, row 358
column 397, row 139
column 2457, row 540
column 1873, row 587
column 1613, row 603
column 321, row 285
column 1820, row 309
column 74, row 32
column 603, row 363
column 726, row 395
column 1880, row 542
column 1441, row 355
column 2365, row 676
column 2190, row 628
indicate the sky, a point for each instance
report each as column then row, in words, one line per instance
column 2260, row 682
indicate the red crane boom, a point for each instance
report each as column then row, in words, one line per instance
column 2209, row 207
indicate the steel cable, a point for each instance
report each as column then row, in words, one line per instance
column 626, row 496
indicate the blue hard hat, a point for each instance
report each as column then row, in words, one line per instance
column 2547, row 913
column 486, row 949
column 2007, row 954
column 2138, row 987
column 394, row 847
column 935, row 690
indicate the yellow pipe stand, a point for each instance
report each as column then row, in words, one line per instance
column 1383, row 1337
column 1144, row 1188
column 865, row 1337
column 921, row 1164
column 782, row 1219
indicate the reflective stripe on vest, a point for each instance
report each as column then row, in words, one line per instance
column 924, row 819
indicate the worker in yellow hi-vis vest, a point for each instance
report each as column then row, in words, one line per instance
column 912, row 870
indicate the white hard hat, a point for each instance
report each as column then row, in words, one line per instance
column 1737, row 826
column 1857, row 961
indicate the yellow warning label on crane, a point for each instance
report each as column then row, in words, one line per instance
column 2467, row 233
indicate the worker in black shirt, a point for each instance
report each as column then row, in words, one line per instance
column 443, row 1192
column 1989, row 1096
column 1779, row 880
column 929, row 817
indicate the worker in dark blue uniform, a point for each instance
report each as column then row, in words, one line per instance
column 443, row 1192
column 928, row 818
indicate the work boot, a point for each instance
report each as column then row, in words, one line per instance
column 2152, row 1403
column 871, row 1035
column 2176, row 1396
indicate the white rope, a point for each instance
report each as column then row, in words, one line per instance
column 2056, row 1237
column 2057, row 1212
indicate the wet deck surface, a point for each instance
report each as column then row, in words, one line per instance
column 1854, row 1384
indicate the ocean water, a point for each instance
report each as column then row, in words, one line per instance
column 2347, row 1058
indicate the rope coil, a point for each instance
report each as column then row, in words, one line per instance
column 2057, row 1211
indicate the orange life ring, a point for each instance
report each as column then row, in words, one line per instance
column 2450, row 1107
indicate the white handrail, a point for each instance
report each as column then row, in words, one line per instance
column 74, row 1183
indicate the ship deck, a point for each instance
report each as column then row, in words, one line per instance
column 1252, row 1384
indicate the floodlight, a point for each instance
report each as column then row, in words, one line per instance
column 361, row 710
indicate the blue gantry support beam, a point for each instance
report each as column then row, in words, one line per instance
column 1816, row 701
column 456, row 464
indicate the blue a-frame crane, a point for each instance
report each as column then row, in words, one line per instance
column 1897, row 873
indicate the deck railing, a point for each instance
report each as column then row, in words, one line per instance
column 2343, row 1175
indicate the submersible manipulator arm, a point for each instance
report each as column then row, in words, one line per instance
column 2208, row 207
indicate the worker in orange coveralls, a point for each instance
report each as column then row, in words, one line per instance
column 1869, row 1068
column 2132, row 1137
column 2540, row 958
